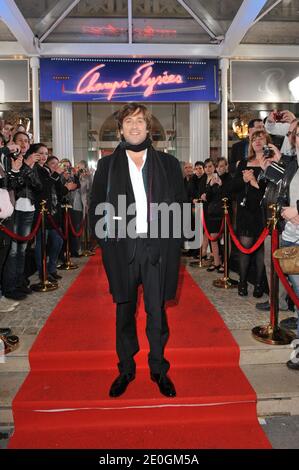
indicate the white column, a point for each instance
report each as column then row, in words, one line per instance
column 199, row 132
column 34, row 64
column 224, row 65
column 62, row 130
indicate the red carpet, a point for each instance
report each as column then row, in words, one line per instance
column 64, row 401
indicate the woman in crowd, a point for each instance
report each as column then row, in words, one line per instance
column 205, row 180
column 73, row 198
column 250, row 219
column 52, row 192
column 217, row 189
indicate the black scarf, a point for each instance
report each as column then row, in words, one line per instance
column 155, row 178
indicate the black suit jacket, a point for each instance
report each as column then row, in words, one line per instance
column 117, row 253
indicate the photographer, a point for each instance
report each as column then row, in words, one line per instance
column 290, row 214
column 52, row 191
column 70, row 178
column 250, row 188
column 8, row 180
column 28, row 182
column 277, row 124
column 217, row 189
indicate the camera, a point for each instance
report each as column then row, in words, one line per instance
column 274, row 172
column 243, row 202
column 267, row 151
column 278, row 116
column 14, row 155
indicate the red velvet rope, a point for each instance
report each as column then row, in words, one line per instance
column 284, row 280
column 76, row 234
column 19, row 238
column 212, row 239
column 55, row 226
column 253, row 248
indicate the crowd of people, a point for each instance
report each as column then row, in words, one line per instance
column 257, row 174
column 31, row 175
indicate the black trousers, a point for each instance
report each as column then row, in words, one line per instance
column 141, row 271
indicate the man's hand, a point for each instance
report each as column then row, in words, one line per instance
column 289, row 213
column 71, row 186
column 271, row 117
column 288, row 116
column 295, row 220
column 247, row 175
column 13, row 148
column 203, row 197
column 16, row 164
column 32, row 159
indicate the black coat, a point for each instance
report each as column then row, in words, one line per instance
column 117, row 253
column 238, row 152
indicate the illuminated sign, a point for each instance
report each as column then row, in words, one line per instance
column 128, row 80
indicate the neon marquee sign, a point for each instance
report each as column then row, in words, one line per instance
column 143, row 77
column 128, row 79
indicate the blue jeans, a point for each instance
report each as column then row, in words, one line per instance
column 294, row 280
column 15, row 263
column 55, row 244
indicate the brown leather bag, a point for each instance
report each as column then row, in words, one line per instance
column 288, row 258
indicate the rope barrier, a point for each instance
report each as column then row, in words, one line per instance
column 76, row 234
column 247, row 251
column 212, row 239
column 20, row 238
column 55, row 226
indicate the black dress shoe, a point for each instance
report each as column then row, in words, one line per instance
column 55, row 276
column 289, row 323
column 293, row 365
column 120, row 384
column 24, row 290
column 5, row 331
column 15, row 295
column 264, row 306
column 165, row 385
column 242, row 289
column 258, row 291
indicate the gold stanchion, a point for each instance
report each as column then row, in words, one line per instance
column 67, row 265
column 273, row 333
column 225, row 282
column 86, row 252
column 200, row 263
column 44, row 285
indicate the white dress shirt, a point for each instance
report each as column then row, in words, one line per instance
column 139, row 194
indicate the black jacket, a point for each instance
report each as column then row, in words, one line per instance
column 239, row 152
column 118, row 252
column 29, row 183
column 52, row 191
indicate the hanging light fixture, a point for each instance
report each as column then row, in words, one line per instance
column 240, row 128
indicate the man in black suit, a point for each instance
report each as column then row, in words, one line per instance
column 239, row 150
column 143, row 176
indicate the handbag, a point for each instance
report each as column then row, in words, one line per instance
column 6, row 207
column 288, row 258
